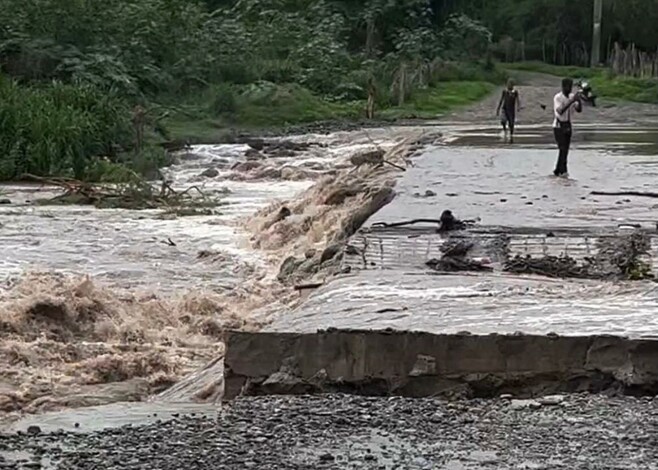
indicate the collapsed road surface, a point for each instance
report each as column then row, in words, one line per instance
column 548, row 291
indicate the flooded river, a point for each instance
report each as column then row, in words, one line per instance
column 469, row 170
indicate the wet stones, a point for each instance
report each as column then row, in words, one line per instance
column 552, row 400
column 340, row 194
column 246, row 166
column 426, row 194
column 617, row 257
column 330, row 252
column 456, row 258
column 371, row 157
column 282, row 214
column 33, row 430
column 259, row 148
column 524, row 405
column 256, row 144
column 288, row 268
column 253, row 154
column 550, row 266
column 346, row 431
column 210, row 173
column 289, row 173
column 295, row 269
column 268, row 173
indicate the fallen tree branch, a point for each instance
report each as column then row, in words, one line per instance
column 138, row 194
column 624, row 193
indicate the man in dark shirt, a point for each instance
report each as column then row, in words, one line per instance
column 510, row 103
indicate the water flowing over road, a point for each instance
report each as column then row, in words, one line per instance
column 140, row 345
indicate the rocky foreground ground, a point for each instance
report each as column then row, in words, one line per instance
column 352, row 432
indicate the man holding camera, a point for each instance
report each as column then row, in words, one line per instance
column 563, row 105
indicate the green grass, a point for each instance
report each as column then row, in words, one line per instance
column 439, row 99
column 218, row 112
column 604, row 83
column 557, row 70
column 268, row 106
column 640, row 90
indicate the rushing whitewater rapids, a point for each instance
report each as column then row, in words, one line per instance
column 101, row 306
column 104, row 305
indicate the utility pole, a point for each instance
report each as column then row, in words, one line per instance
column 596, row 34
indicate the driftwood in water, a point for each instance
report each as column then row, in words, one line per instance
column 447, row 223
column 625, row 193
column 136, row 195
column 374, row 158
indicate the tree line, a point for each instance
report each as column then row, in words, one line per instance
column 72, row 71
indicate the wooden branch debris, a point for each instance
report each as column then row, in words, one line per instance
column 135, row 195
column 625, row 193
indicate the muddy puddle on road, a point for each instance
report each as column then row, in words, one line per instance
column 636, row 140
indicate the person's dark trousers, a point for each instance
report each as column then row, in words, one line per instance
column 509, row 116
column 563, row 139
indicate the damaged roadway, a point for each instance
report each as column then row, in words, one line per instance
column 548, row 271
column 500, row 358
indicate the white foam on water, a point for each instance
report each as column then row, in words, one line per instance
column 130, row 248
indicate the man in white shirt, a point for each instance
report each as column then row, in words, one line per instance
column 563, row 105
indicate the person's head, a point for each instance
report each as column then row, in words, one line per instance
column 510, row 84
column 567, row 86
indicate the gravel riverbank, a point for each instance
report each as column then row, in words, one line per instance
column 352, row 432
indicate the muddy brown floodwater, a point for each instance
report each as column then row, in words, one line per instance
column 98, row 306
column 104, row 306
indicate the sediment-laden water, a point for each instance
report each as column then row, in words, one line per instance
column 162, row 288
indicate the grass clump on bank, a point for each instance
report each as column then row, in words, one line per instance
column 604, row 82
column 71, row 131
column 439, row 99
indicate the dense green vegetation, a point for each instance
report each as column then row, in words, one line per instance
column 73, row 71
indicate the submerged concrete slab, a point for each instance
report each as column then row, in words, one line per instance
column 477, row 303
column 519, row 207
column 425, row 364
column 479, row 177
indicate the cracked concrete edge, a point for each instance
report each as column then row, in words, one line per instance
column 421, row 364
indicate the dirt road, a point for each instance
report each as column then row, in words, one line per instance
column 537, row 89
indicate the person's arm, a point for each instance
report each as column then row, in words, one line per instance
column 556, row 105
column 518, row 101
column 561, row 109
column 500, row 103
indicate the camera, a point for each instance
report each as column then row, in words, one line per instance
column 585, row 92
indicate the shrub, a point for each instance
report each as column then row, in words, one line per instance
column 57, row 129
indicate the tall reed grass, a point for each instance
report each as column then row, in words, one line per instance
column 58, row 129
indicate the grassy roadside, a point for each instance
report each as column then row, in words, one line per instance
column 217, row 114
column 605, row 84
